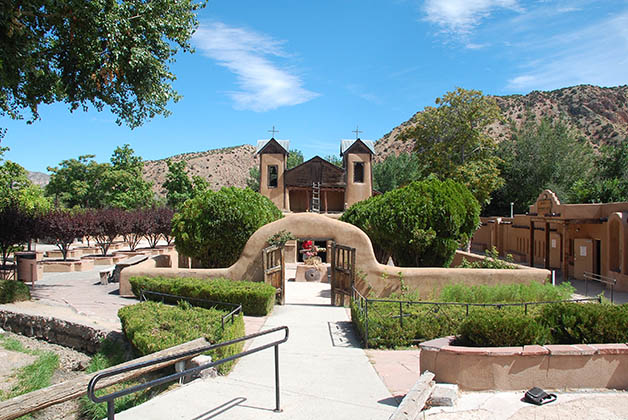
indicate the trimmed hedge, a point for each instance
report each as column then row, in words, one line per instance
column 257, row 299
column 214, row 226
column 13, row 291
column 557, row 323
column 152, row 326
column 501, row 328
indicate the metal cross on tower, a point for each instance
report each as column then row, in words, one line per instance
column 357, row 132
column 273, row 131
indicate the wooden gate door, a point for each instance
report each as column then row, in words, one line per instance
column 342, row 273
column 274, row 270
column 583, row 257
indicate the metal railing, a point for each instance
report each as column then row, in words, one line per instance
column 608, row 281
column 204, row 303
column 365, row 305
column 110, row 398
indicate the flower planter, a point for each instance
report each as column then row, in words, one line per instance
column 60, row 266
column 517, row 368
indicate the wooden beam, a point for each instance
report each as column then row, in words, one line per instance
column 77, row 387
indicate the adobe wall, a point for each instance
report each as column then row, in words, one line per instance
column 372, row 276
column 517, row 368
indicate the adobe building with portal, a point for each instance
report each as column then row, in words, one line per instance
column 572, row 238
column 316, row 185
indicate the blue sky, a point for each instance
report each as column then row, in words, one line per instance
column 315, row 70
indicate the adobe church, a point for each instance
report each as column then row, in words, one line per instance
column 316, row 185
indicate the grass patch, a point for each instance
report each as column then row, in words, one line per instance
column 13, row 291
column 506, row 293
column 35, row 376
column 257, row 299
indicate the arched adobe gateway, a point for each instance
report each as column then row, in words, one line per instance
column 373, row 277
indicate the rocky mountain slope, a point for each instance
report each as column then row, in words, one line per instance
column 220, row 167
column 600, row 114
column 38, row 178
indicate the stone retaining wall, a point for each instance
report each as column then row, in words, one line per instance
column 515, row 368
column 69, row 334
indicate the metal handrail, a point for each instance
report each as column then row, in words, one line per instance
column 609, row 281
column 237, row 310
column 110, row 398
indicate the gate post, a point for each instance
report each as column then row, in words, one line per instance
column 333, row 273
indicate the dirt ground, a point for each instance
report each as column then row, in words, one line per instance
column 71, row 364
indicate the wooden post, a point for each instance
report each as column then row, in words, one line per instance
column 308, row 206
column 531, row 251
column 565, row 252
column 325, row 195
column 547, row 246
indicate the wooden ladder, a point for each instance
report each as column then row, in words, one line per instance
column 316, row 197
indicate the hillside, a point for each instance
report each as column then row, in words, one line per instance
column 221, row 167
column 38, row 178
column 599, row 114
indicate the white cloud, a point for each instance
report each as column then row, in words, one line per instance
column 460, row 16
column 264, row 85
column 596, row 55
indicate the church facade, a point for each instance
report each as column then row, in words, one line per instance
column 316, row 185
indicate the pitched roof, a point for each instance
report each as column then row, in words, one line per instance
column 261, row 144
column 347, row 144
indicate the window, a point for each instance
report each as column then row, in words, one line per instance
column 273, row 175
column 358, row 172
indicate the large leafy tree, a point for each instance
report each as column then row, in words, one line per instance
column 77, row 182
column 99, row 53
column 609, row 183
column 85, row 183
column 451, row 141
column 17, row 190
column 539, row 155
column 123, row 186
column 396, row 171
column 179, row 187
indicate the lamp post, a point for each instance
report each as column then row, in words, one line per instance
column 512, row 214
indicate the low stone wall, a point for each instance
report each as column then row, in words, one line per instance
column 69, row 334
column 516, row 368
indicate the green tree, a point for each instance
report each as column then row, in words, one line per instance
column 77, row 182
column 295, row 158
column 123, row 186
column 98, row 53
column 85, row 183
column 540, row 155
column 610, row 180
column 215, row 225
column 419, row 225
column 179, row 186
column 333, row 159
column 17, row 190
column 451, row 141
column 396, row 171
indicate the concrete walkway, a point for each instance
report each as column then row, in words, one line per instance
column 323, row 372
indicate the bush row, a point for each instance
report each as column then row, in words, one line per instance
column 153, row 326
column 257, row 299
column 556, row 323
column 13, row 291
column 420, row 225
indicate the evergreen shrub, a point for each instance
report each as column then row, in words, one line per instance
column 214, row 226
column 257, row 299
column 13, row 291
column 419, row 225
